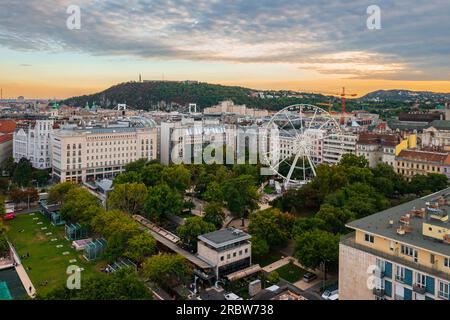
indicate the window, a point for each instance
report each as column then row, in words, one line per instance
column 443, row 289
column 420, row 280
column 369, row 238
column 447, row 262
column 408, row 251
column 399, row 273
column 222, row 258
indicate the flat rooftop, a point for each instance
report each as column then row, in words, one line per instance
column 379, row 224
column 224, row 237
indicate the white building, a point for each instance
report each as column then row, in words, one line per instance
column 98, row 153
column 336, row 145
column 437, row 134
column 32, row 141
column 184, row 140
column 227, row 250
column 228, row 106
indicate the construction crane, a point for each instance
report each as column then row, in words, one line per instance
column 328, row 104
column 343, row 95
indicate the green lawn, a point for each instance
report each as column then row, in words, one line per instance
column 46, row 260
column 269, row 258
column 291, row 272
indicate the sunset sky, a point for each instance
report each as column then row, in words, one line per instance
column 318, row 45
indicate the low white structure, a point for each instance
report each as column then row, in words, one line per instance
column 227, row 250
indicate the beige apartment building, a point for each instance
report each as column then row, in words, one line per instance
column 411, row 162
column 402, row 253
column 81, row 155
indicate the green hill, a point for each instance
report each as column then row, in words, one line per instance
column 161, row 94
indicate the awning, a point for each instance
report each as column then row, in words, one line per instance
column 244, row 273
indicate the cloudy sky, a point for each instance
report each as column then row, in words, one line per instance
column 282, row 44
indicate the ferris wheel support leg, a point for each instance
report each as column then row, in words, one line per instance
column 291, row 170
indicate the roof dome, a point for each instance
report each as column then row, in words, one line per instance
column 138, row 121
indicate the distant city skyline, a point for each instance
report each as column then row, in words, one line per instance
column 301, row 45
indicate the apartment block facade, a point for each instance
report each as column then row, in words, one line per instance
column 402, row 253
column 81, row 155
column 411, row 162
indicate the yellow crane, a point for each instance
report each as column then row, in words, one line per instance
column 328, row 104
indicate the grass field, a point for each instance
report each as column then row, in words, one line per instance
column 50, row 253
column 291, row 272
column 269, row 258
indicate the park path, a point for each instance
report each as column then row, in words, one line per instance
column 26, row 280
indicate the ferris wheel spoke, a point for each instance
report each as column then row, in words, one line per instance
column 314, row 116
column 291, row 170
column 296, row 132
column 280, row 162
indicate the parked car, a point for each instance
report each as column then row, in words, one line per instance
column 309, row 277
column 8, row 216
column 232, row 296
column 331, row 293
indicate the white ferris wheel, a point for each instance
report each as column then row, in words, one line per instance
column 295, row 138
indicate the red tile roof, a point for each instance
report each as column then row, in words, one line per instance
column 388, row 140
column 425, row 156
column 7, row 126
column 6, row 137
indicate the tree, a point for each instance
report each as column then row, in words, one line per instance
column 328, row 180
column 271, row 225
column 351, row 160
column 41, row 176
column 214, row 214
column 259, row 247
column 273, row 277
column 2, row 207
column 136, row 166
column 177, row 177
column 213, row 192
column 152, row 174
column 161, row 201
column 315, row 247
column 335, row 218
column 124, row 284
column 78, row 206
column 167, row 269
column 58, row 193
column 9, row 165
column 303, row 225
column 129, row 197
column 128, row 177
column 23, row 173
column 241, row 195
column 190, row 231
column 140, row 247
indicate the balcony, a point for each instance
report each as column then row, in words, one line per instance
column 379, row 274
column 419, row 289
column 397, row 297
column 378, row 292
